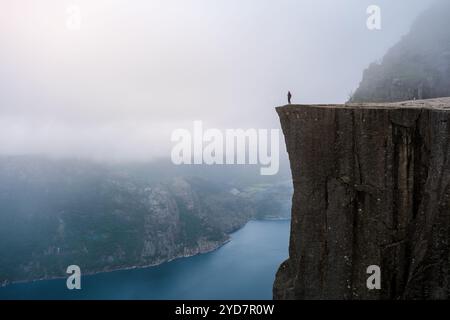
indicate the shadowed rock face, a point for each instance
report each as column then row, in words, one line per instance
column 371, row 187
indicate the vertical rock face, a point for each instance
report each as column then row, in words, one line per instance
column 371, row 187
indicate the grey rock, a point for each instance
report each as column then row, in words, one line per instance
column 371, row 187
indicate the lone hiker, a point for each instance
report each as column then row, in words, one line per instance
column 289, row 97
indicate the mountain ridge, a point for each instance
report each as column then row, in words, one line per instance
column 105, row 218
column 417, row 67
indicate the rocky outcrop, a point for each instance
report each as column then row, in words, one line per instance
column 371, row 187
column 417, row 67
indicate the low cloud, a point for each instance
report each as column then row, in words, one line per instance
column 134, row 72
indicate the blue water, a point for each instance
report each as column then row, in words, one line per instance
column 244, row 268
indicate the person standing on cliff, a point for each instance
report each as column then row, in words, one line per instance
column 289, row 97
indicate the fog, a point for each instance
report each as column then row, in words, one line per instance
column 134, row 71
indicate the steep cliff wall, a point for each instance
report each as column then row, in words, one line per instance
column 371, row 187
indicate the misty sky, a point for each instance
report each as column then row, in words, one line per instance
column 136, row 70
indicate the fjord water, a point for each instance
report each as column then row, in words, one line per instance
column 244, row 268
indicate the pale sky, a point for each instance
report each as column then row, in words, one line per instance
column 136, row 70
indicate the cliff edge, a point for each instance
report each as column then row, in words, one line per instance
column 371, row 187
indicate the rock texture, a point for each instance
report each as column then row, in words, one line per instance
column 371, row 187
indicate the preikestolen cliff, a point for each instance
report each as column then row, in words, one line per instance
column 371, row 178
column 371, row 187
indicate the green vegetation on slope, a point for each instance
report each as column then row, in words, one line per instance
column 55, row 213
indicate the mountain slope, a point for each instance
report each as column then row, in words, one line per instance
column 54, row 213
column 418, row 67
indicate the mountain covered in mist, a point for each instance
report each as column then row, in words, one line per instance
column 417, row 67
column 55, row 213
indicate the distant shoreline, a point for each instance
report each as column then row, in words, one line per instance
column 214, row 248
column 200, row 252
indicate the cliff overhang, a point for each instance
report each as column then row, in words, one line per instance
column 371, row 187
